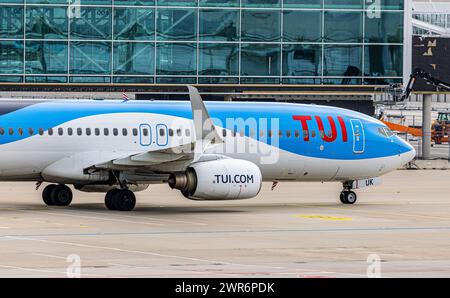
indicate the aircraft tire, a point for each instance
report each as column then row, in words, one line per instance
column 46, row 194
column 348, row 197
column 61, row 195
column 109, row 202
column 124, row 200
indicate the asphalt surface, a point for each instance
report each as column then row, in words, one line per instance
column 297, row 230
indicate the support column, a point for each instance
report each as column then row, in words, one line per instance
column 426, row 126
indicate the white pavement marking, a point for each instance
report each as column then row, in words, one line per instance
column 139, row 252
column 92, row 217
column 47, row 271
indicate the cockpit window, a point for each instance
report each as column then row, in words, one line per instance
column 386, row 132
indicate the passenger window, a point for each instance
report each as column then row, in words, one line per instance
column 270, row 133
column 224, row 132
column 88, row 131
column 30, row 131
column 41, row 131
column 313, row 133
column 288, row 134
column 115, row 132
column 106, row 132
column 2, row 131
column 145, row 132
column 170, row 132
column 162, row 132
column 261, row 133
column 11, row 131
column 70, row 131
column 297, row 134
column 280, row 134
column 305, row 134
column 188, row 133
column 60, row 131
column 79, row 131
column 50, row 131
column 20, row 131
column 124, row 132
column 135, row 132
column 97, row 131
column 179, row 132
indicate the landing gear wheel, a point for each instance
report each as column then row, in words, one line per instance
column 124, row 200
column 348, row 197
column 46, row 194
column 61, row 195
column 109, row 199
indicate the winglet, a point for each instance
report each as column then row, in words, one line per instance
column 205, row 131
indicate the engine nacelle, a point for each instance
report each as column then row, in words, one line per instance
column 224, row 179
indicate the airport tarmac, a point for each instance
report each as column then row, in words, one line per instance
column 297, row 230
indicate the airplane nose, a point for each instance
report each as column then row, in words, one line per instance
column 409, row 153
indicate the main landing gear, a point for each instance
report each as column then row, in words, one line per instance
column 57, row 195
column 348, row 196
column 120, row 199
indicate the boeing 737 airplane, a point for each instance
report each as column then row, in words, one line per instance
column 212, row 151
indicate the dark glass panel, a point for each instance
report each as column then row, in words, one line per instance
column 250, row 80
column 91, row 2
column 176, row 80
column 90, row 57
column 45, row 79
column 344, row 4
column 12, row 1
column 219, row 59
column 92, row 23
column 260, row 60
column 302, row 60
column 386, row 29
column 303, row 3
column 177, row 24
column 133, row 80
column 385, row 4
column 176, row 59
column 342, row 26
column 11, row 79
column 261, row 3
column 46, row 57
column 223, row 3
column 46, row 1
column 177, row 2
column 134, row 24
column 342, row 81
column 342, row 60
column 11, row 57
column 94, row 80
column 46, row 22
column 302, row 26
column 382, row 81
column 219, row 25
column 383, row 61
column 135, row 2
column 302, row 81
column 11, row 22
column 133, row 58
column 220, row 80
column 261, row 25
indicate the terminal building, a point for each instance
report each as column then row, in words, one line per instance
column 335, row 42
column 157, row 46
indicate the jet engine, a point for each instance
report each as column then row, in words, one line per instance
column 224, row 179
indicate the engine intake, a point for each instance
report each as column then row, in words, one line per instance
column 225, row 179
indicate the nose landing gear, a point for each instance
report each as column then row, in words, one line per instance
column 348, row 196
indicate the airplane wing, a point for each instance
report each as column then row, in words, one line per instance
column 176, row 158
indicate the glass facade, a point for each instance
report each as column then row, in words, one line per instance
column 202, row 41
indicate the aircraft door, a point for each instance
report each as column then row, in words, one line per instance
column 359, row 141
column 145, row 135
column 162, row 137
